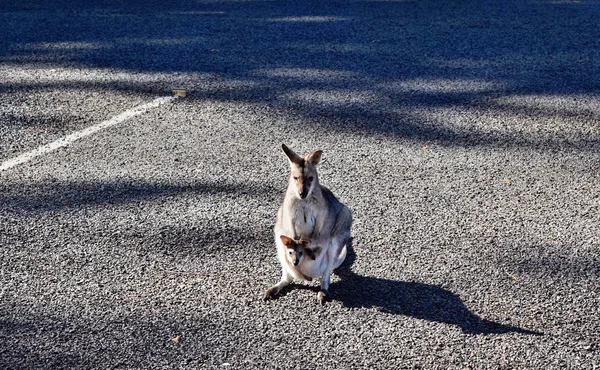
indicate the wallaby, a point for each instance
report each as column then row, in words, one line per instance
column 296, row 255
column 298, row 249
column 310, row 211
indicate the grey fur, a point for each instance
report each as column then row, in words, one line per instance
column 319, row 217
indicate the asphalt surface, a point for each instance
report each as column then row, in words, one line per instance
column 463, row 135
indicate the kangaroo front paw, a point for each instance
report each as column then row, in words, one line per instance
column 271, row 293
column 322, row 297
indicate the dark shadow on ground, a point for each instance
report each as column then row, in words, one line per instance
column 56, row 196
column 41, row 341
column 359, row 64
column 539, row 261
column 418, row 300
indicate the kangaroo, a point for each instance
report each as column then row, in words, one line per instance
column 298, row 249
column 296, row 256
column 310, row 211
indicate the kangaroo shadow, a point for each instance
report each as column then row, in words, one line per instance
column 418, row 300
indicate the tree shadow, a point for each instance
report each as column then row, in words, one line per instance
column 418, row 300
column 60, row 195
column 367, row 66
column 44, row 341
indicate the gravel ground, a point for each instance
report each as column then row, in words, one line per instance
column 463, row 135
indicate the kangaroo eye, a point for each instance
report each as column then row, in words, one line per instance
column 295, row 178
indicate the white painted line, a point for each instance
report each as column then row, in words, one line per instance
column 25, row 157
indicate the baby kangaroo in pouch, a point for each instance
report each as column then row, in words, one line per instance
column 298, row 249
column 310, row 215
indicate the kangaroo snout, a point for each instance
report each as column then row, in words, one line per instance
column 302, row 186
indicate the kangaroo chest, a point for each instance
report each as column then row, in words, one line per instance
column 305, row 220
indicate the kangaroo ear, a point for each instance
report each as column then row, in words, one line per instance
column 304, row 242
column 294, row 158
column 286, row 241
column 314, row 157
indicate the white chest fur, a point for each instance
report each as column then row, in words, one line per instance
column 313, row 268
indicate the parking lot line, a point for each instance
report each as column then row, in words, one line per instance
column 64, row 141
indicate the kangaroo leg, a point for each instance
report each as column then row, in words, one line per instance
column 336, row 252
column 323, row 294
column 286, row 279
column 332, row 255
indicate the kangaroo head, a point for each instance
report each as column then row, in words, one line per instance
column 296, row 250
column 303, row 174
